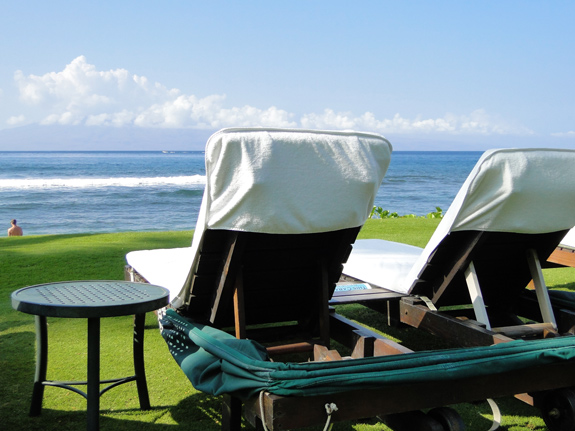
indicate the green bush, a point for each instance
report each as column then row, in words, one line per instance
column 379, row 212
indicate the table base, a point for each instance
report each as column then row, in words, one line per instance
column 93, row 391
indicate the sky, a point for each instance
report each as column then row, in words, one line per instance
column 428, row 75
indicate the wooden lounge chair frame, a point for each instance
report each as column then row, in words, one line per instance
column 489, row 268
column 227, row 289
column 235, row 308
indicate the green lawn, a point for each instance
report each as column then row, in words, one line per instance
column 40, row 259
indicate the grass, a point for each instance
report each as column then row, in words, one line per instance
column 41, row 259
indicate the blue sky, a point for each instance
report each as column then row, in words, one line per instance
column 427, row 75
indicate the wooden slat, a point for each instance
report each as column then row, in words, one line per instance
column 458, row 267
column 563, row 256
column 364, row 295
column 225, row 288
column 281, row 275
column 239, row 306
column 529, row 330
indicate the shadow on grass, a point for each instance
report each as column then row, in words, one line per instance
column 197, row 412
column 206, row 409
column 39, row 239
column 147, row 240
column 12, row 324
column 17, row 363
column 566, row 286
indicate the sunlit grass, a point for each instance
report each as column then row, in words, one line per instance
column 176, row 404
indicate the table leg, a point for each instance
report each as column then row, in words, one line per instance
column 41, row 365
column 139, row 370
column 93, row 390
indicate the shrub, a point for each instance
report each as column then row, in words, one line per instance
column 379, row 212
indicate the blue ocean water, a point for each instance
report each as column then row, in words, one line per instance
column 90, row 192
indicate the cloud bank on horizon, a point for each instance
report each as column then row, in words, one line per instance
column 80, row 94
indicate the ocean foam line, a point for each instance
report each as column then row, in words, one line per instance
column 79, row 183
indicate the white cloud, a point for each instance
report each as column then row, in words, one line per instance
column 478, row 122
column 16, row 120
column 81, row 94
column 570, row 134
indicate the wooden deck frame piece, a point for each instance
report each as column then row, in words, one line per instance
column 415, row 313
column 489, row 270
column 563, row 256
column 322, row 353
column 362, row 340
column 565, row 319
column 499, row 259
column 538, row 281
column 466, row 332
column 283, row 413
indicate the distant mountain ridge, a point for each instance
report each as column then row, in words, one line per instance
column 104, row 138
column 131, row 138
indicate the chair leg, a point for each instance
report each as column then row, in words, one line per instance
column 540, row 288
column 476, row 296
column 231, row 413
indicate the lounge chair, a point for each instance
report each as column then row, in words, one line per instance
column 261, row 257
column 514, row 215
column 511, row 213
column 314, row 182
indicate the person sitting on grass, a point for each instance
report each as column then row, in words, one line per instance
column 15, row 230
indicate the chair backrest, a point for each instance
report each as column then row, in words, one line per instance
column 283, row 277
column 513, row 200
column 280, row 211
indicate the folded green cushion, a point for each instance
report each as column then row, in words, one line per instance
column 217, row 363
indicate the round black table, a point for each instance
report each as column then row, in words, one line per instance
column 90, row 300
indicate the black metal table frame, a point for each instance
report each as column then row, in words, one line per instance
column 93, row 391
column 148, row 299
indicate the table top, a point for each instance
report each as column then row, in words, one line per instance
column 86, row 299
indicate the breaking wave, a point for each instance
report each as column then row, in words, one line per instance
column 86, row 183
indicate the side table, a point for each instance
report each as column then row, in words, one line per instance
column 90, row 300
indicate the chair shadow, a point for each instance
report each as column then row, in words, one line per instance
column 18, row 359
column 198, row 411
column 207, row 408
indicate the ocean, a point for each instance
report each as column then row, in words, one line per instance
column 93, row 192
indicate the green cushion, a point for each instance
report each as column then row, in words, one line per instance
column 217, row 363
